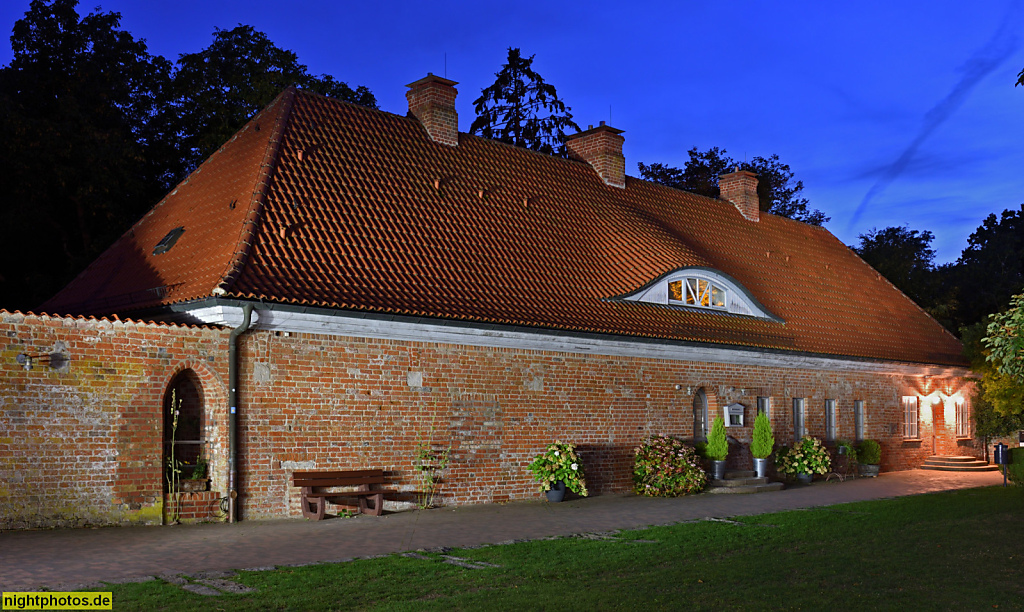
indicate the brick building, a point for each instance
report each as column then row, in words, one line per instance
column 366, row 281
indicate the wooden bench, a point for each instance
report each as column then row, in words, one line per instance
column 371, row 500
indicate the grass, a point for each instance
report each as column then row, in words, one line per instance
column 961, row 550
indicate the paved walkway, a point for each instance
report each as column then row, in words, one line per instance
column 63, row 558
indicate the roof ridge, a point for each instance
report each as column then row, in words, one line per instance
column 259, row 195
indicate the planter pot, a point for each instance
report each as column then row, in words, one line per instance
column 804, row 478
column 868, row 470
column 761, row 467
column 557, row 492
column 192, row 486
column 718, row 469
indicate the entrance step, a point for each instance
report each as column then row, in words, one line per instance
column 742, row 482
column 958, row 463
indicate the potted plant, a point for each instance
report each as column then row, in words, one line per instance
column 762, row 444
column 717, row 448
column 198, row 480
column 666, row 467
column 807, row 458
column 869, row 455
column 559, row 468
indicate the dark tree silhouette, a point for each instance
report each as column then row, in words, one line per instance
column 522, row 110
column 777, row 191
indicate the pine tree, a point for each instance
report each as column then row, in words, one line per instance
column 522, row 110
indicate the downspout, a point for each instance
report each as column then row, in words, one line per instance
column 233, row 415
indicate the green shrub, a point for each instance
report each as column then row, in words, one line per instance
column 666, row 467
column 763, row 443
column 718, row 445
column 808, row 456
column 1015, row 471
column 559, row 462
column 869, row 452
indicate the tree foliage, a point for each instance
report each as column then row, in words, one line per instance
column 97, row 129
column 905, row 257
column 221, row 87
column 996, row 405
column 77, row 106
column 519, row 108
column 778, row 192
column 991, row 269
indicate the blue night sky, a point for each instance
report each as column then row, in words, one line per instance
column 892, row 113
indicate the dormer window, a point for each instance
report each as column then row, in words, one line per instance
column 701, row 288
column 697, row 292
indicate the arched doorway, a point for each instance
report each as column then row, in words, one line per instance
column 700, row 415
column 184, row 440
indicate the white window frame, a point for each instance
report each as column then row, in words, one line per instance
column 799, row 425
column 963, row 422
column 764, row 405
column 911, row 418
column 737, row 299
column 831, row 427
column 858, row 420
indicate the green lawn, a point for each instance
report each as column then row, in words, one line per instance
column 961, row 550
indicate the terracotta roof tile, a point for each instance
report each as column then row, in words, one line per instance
column 362, row 211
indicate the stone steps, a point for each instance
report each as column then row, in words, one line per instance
column 958, row 464
column 742, row 482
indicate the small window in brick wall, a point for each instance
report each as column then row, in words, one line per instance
column 186, row 440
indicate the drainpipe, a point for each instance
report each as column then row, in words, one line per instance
column 233, row 415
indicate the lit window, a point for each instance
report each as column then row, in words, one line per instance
column 910, row 417
column 858, row 419
column 830, row 419
column 963, row 428
column 696, row 292
column 701, row 288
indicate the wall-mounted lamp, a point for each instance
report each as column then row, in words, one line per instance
column 53, row 360
column 689, row 391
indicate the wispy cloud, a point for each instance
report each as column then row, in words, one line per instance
column 996, row 51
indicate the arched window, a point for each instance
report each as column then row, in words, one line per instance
column 700, row 415
column 701, row 288
column 185, row 438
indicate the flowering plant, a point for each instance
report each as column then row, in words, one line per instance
column 665, row 467
column 808, row 456
column 559, row 462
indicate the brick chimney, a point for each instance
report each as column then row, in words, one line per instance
column 432, row 101
column 601, row 147
column 740, row 188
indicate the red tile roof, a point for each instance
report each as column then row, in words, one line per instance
column 323, row 203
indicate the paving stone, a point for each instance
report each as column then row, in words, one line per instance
column 201, row 589
column 261, row 568
column 211, row 574
column 227, row 586
column 173, row 579
column 77, row 586
column 413, row 555
column 468, row 563
column 130, row 580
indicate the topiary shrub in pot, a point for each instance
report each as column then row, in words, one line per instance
column 666, row 467
column 762, row 444
column 869, row 455
column 718, row 447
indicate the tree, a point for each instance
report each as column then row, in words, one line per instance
column 1020, row 78
column 522, row 110
column 905, row 257
column 77, row 108
column 996, row 405
column 221, row 87
column 991, row 268
column 777, row 192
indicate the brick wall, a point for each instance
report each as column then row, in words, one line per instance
column 321, row 402
column 81, row 441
